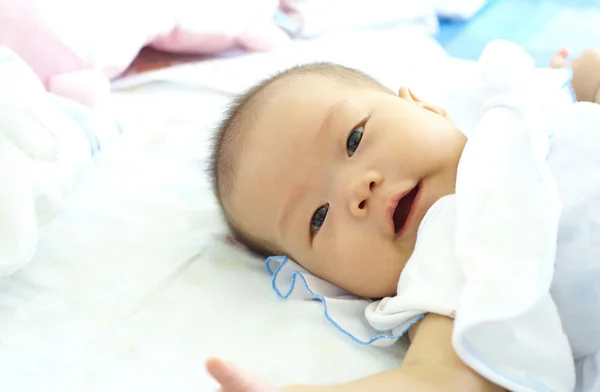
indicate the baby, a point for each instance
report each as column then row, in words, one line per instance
column 335, row 151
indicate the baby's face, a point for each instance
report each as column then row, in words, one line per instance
column 323, row 169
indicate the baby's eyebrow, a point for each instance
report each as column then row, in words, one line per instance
column 330, row 115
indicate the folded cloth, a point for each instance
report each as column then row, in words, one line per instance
column 315, row 17
column 461, row 10
column 493, row 261
column 46, row 142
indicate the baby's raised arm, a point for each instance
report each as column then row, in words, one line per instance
column 586, row 73
column 431, row 365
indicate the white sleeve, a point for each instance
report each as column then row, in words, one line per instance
column 431, row 281
column 507, row 326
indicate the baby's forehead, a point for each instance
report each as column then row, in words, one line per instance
column 289, row 108
column 279, row 119
column 299, row 91
column 284, row 97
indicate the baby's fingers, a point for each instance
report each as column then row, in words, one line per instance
column 233, row 379
column 559, row 60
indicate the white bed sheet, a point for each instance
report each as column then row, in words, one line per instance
column 132, row 287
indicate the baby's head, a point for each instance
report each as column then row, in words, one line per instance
column 327, row 166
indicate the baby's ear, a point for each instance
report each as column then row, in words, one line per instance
column 407, row 94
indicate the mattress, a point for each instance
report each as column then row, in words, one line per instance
column 133, row 285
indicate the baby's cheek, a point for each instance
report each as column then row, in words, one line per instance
column 375, row 266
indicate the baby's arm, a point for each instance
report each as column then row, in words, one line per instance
column 586, row 73
column 430, row 365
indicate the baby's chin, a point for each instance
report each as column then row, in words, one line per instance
column 380, row 290
column 385, row 285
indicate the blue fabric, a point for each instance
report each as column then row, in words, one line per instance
column 540, row 26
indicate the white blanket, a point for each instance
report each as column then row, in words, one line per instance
column 46, row 143
column 132, row 286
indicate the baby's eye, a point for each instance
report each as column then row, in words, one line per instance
column 354, row 139
column 318, row 218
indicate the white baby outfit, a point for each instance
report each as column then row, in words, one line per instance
column 513, row 255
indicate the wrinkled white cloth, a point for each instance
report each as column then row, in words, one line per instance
column 314, row 18
column 525, row 224
column 46, row 142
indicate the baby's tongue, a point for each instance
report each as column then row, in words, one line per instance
column 403, row 209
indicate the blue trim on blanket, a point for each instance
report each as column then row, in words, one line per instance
column 298, row 276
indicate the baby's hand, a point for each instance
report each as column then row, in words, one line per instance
column 586, row 73
column 233, row 379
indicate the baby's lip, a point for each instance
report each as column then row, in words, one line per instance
column 401, row 210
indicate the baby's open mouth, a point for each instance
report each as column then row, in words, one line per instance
column 402, row 211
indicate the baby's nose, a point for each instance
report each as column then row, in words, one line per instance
column 360, row 192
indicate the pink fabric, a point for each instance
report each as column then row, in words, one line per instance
column 75, row 48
